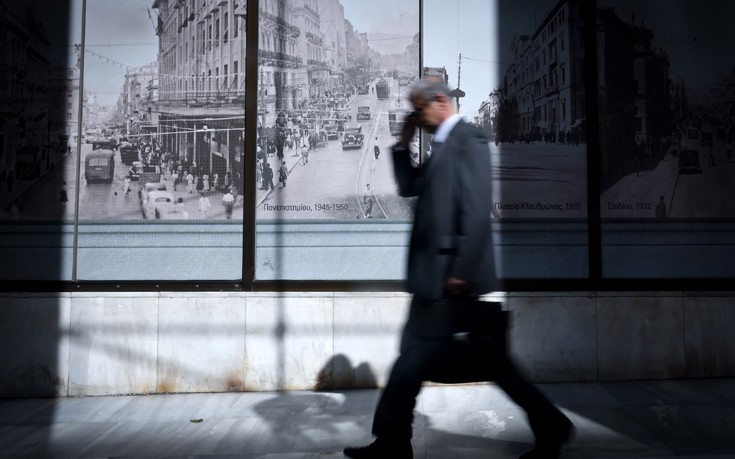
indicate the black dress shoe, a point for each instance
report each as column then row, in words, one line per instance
column 550, row 446
column 382, row 450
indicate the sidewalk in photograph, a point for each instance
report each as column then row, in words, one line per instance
column 690, row 419
column 7, row 197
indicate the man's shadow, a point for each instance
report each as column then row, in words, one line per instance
column 339, row 413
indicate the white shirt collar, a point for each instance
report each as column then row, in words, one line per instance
column 446, row 127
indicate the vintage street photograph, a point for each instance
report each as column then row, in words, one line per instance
column 164, row 110
column 332, row 93
column 667, row 105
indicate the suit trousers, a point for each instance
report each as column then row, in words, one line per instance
column 451, row 361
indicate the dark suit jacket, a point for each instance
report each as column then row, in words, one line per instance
column 451, row 232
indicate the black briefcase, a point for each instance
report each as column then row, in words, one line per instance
column 457, row 318
column 467, row 339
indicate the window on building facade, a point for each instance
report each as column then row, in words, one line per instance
column 225, row 28
column 216, row 30
column 235, row 75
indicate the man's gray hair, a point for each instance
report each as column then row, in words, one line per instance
column 429, row 89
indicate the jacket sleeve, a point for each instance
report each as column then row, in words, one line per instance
column 473, row 204
column 408, row 178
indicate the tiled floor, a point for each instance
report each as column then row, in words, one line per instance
column 632, row 420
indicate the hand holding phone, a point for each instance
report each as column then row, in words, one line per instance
column 410, row 123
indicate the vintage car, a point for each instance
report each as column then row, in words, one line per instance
column 128, row 152
column 99, row 166
column 342, row 114
column 363, row 89
column 160, row 205
column 104, row 144
column 135, row 170
column 149, row 174
column 150, row 187
column 332, row 130
column 353, row 138
column 689, row 162
column 363, row 112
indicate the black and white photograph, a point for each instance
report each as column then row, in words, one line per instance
column 535, row 114
column 667, row 102
column 164, row 110
column 332, row 92
column 515, row 68
column 39, row 91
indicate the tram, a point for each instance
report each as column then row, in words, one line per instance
column 382, row 89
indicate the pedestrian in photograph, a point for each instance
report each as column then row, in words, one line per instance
column 376, row 149
column 204, row 204
column 280, row 141
column 63, row 196
column 228, row 202
column 180, row 208
column 297, row 141
column 283, row 174
column 200, row 183
column 126, row 185
column 175, row 178
column 205, row 183
column 450, row 259
column 267, row 177
column 368, row 200
column 661, row 208
column 190, row 182
column 305, row 155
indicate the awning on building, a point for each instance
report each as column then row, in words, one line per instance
column 203, row 111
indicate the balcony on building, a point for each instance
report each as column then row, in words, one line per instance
column 279, row 59
column 283, row 27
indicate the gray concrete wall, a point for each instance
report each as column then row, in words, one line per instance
column 71, row 344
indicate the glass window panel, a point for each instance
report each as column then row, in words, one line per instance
column 666, row 131
column 330, row 72
column 517, row 82
column 169, row 204
column 39, row 112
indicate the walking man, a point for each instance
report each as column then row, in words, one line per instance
column 228, row 201
column 368, row 200
column 450, row 257
column 267, row 177
column 283, row 174
column 661, row 208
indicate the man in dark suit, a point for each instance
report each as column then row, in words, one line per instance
column 450, row 257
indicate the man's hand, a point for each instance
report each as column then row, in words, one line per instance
column 457, row 286
column 408, row 130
